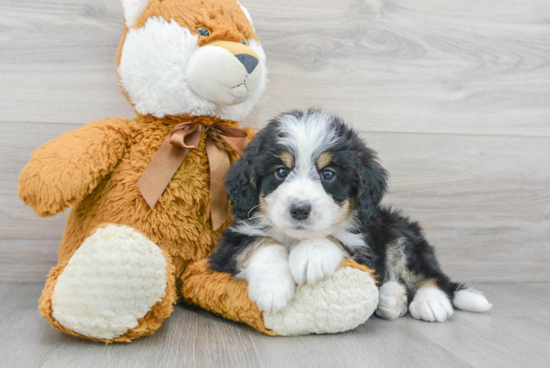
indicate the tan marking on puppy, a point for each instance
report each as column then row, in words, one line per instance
column 396, row 265
column 324, row 160
column 426, row 283
column 261, row 243
column 287, row 159
column 263, row 204
column 345, row 213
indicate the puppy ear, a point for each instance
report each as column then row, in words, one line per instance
column 372, row 184
column 241, row 184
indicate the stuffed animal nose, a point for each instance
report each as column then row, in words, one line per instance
column 243, row 53
column 300, row 211
column 249, row 62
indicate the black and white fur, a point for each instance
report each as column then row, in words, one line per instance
column 306, row 194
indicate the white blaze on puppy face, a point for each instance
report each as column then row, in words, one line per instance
column 306, row 140
column 164, row 72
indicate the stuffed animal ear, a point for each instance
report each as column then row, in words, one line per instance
column 245, row 11
column 133, row 9
column 372, row 184
column 241, row 184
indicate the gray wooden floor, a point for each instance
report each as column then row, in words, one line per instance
column 516, row 334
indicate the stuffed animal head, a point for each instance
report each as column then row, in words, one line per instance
column 190, row 57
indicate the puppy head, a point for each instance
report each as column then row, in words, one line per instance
column 305, row 175
column 190, row 57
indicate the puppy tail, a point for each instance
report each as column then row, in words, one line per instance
column 467, row 299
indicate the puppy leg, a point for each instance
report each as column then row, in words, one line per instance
column 411, row 259
column 270, row 283
column 471, row 300
column 430, row 303
column 314, row 259
column 392, row 300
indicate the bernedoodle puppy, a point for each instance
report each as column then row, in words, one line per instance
column 306, row 194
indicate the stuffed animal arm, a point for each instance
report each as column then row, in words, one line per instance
column 64, row 171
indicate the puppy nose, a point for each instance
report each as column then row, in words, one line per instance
column 300, row 211
column 249, row 62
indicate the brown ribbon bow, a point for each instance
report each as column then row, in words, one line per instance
column 184, row 137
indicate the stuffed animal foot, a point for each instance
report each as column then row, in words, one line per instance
column 337, row 303
column 117, row 286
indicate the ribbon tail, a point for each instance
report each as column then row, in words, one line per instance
column 235, row 138
column 218, row 159
column 160, row 171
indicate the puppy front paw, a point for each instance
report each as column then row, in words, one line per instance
column 314, row 259
column 271, row 293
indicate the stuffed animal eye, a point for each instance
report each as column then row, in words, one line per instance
column 281, row 173
column 244, row 41
column 203, row 31
column 329, row 175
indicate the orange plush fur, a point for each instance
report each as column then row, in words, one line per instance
column 95, row 170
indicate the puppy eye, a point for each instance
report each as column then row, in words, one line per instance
column 203, row 31
column 328, row 175
column 244, row 41
column 281, row 173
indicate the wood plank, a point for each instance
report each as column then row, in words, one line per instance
column 19, row 140
column 484, row 201
column 27, row 259
column 479, row 339
column 58, row 61
column 465, row 67
column 507, row 336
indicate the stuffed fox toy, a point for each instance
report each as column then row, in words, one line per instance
column 147, row 194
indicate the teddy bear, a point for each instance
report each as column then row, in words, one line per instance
column 146, row 194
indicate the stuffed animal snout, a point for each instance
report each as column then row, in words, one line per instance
column 224, row 72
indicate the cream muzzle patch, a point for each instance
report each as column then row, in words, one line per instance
column 224, row 72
